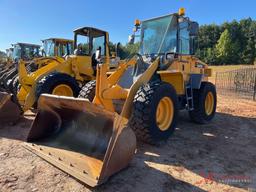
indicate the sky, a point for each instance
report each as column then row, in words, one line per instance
column 33, row 20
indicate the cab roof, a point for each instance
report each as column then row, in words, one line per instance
column 59, row 40
column 27, row 44
column 95, row 32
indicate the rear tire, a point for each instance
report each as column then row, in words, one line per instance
column 145, row 119
column 204, row 111
column 49, row 83
column 88, row 91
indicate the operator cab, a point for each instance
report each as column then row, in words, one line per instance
column 25, row 51
column 57, row 47
column 91, row 42
column 169, row 35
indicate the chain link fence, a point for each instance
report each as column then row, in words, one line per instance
column 237, row 83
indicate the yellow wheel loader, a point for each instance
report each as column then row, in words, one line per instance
column 19, row 51
column 63, row 76
column 92, row 137
column 52, row 47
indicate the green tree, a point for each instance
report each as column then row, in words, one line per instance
column 225, row 48
column 112, row 47
column 128, row 49
column 243, row 42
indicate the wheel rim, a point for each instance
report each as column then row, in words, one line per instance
column 209, row 103
column 63, row 90
column 164, row 113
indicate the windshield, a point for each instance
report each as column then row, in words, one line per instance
column 16, row 54
column 49, row 48
column 30, row 52
column 159, row 35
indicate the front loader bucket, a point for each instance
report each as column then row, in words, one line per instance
column 9, row 111
column 80, row 138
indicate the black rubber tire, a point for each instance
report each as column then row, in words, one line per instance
column 10, row 87
column 16, row 85
column 198, row 115
column 88, row 91
column 49, row 82
column 143, row 117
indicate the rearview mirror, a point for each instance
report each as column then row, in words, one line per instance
column 131, row 39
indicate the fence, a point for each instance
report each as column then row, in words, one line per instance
column 237, row 83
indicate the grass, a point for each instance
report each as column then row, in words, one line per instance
column 223, row 68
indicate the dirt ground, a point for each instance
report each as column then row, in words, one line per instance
column 220, row 156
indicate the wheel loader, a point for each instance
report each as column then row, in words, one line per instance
column 19, row 51
column 52, row 47
column 94, row 136
column 62, row 76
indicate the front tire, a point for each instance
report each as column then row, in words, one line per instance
column 155, row 112
column 58, row 84
column 88, row 91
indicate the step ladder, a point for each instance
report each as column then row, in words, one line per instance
column 189, row 96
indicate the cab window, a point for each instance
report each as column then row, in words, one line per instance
column 98, row 43
column 83, row 45
column 184, row 38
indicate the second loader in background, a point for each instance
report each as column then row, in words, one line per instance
column 92, row 137
column 52, row 48
column 18, row 51
column 62, row 76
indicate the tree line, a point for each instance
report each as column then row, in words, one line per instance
column 229, row 43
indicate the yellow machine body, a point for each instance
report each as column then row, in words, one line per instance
column 178, row 74
column 78, row 67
